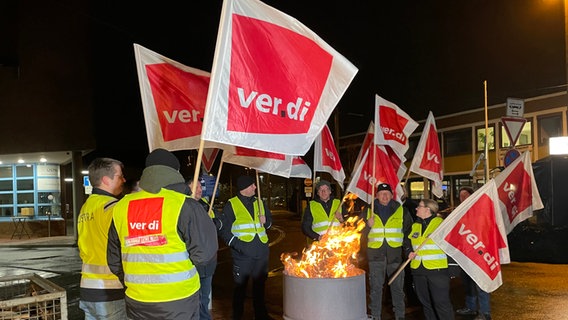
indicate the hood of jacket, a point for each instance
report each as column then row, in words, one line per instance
column 158, row 176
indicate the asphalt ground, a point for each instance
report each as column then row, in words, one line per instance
column 531, row 290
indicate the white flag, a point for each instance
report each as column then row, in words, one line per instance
column 427, row 160
column 300, row 168
column 274, row 82
column 393, row 126
column 326, row 158
column 173, row 99
column 269, row 162
column 518, row 193
column 474, row 235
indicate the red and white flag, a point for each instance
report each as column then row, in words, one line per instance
column 427, row 160
column 208, row 158
column 274, row 82
column 474, row 235
column 518, row 193
column 367, row 141
column 397, row 162
column 326, row 158
column 269, row 162
column 392, row 126
column 363, row 179
column 300, row 168
column 173, row 99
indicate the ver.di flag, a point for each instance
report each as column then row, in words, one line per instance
column 269, row 162
column 173, row 99
column 208, row 159
column 474, row 235
column 300, row 168
column 367, row 141
column 518, row 193
column 326, row 158
column 362, row 179
column 274, row 82
column 427, row 160
column 392, row 126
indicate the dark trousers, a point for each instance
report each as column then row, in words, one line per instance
column 245, row 268
column 433, row 291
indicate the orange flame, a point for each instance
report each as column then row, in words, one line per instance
column 331, row 257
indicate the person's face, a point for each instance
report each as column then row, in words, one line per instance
column 464, row 195
column 423, row 211
column 116, row 184
column 198, row 191
column 249, row 191
column 324, row 192
column 384, row 197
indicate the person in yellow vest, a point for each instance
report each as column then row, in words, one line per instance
column 389, row 226
column 245, row 220
column 429, row 264
column 157, row 237
column 321, row 213
column 101, row 292
column 206, row 270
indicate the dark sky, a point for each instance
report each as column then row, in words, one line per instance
column 421, row 55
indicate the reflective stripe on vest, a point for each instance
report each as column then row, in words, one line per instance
column 93, row 224
column 244, row 227
column 391, row 231
column 157, row 268
column 430, row 255
column 322, row 221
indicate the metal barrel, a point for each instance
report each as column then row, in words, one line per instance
column 325, row 298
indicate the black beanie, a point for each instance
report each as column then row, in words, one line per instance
column 162, row 157
column 244, row 182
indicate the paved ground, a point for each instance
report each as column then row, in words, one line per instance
column 530, row 290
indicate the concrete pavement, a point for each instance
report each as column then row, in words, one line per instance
column 530, row 290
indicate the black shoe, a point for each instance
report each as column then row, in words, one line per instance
column 466, row 312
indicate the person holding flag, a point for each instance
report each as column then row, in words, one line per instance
column 429, row 264
column 390, row 225
column 321, row 213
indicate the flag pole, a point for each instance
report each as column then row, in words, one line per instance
column 486, row 134
column 198, row 164
column 260, row 208
column 216, row 185
column 402, row 266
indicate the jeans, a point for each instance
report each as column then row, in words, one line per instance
column 378, row 272
column 109, row 310
column 204, row 292
column 474, row 295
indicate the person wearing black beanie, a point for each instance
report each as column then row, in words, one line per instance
column 163, row 220
column 249, row 245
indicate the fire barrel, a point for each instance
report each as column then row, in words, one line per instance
column 325, row 298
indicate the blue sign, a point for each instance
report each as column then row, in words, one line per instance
column 511, row 156
column 86, row 181
column 207, row 185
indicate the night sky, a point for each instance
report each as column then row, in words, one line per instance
column 420, row 55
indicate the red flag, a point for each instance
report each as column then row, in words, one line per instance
column 269, row 162
column 518, row 193
column 363, row 179
column 208, row 158
column 392, row 126
column 173, row 98
column 474, row 235
column 427, row 160
column 300, row 168
column 274, row 82
column 326, row 158
column 367, row 141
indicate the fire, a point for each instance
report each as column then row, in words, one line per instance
column 331, row 257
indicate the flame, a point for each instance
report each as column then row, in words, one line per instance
column 331, row 257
